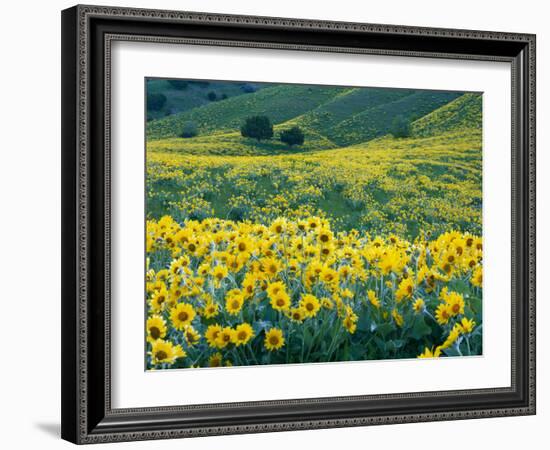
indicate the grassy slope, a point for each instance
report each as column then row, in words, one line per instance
column 280, row 103
column 463, row 113
column 330, row 116
column 400, row 185
column 344, row 106
column 232, row 143
column 195, row 95
column 434, row 175
column 376, row 121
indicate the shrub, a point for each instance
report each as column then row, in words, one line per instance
column 248, row 88
column 224, row 96
column 189, row 130
column 155, row 101
column 400, row 127
column 212, row 96
column 178, row 84
column 257, row 127
column 292, row 136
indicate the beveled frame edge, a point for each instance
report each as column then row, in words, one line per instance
column 76, row 225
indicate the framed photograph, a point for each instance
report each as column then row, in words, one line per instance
column 282, row 224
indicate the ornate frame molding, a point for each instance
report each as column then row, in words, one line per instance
column 87, row 422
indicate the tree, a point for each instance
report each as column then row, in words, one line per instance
column 292, row 136
column 212, row 96
column 155, row 101
column 178, row 84
column 400, row 127
column 248, row 88
column 189, row 130
column 257, row 127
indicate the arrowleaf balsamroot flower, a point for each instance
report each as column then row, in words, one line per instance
column 274, row 339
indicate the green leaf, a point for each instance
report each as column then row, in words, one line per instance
column 451, row 351
column 363, row 324
column 260, row 326
column 384, row 329
column 308, row 338
column 420, row 328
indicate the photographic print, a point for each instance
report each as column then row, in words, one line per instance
column 295, row 223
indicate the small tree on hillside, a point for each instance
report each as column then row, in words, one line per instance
column 212, row 96
column 257, row 127
column 292, row 136
column 248, row 88
column 189, row 129
column 400, row 127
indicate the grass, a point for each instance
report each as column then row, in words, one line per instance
column 193, row 96
column 376, row 121
column 232, row 143
column 463, row 113
column 280, row 103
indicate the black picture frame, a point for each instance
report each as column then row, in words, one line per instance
column 87, row 33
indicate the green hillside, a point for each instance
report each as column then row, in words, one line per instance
column 463, row 113
column 192, row 94
column 232, row 143
column 280, row 103
column 330, row 117
column 345, row 105
column 376, row 121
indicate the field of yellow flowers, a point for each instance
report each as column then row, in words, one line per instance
column 368, row 252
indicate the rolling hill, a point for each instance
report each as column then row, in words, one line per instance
column 462, row 113
column 280, row 103
column 376, row 121
column 329, row 116
column 184, row 95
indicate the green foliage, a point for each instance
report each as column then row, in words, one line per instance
column 189, row 130
column 248, row 88
column 400, row 127
column 155, row 101
column 179, row 84
column 292, row 136
column 212, row 96
column 257, row 127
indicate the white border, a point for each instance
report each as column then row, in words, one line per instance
column 133, row 387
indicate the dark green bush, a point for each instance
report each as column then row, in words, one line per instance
column 257, row 127
column 400, row 127
column 292, row 136
column 189, row 130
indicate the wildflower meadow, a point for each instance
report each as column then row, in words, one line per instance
column 311, row 224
